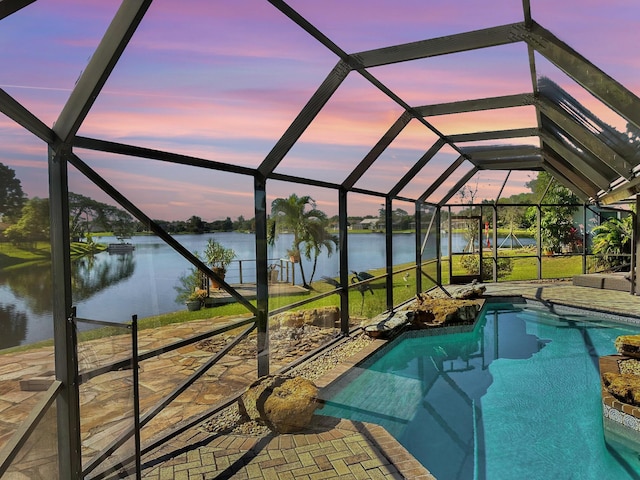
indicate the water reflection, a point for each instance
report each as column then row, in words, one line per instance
column 13, row 324
column 91, row 274
column 32, row 285
column 26, row 297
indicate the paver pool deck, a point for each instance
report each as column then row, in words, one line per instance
column 329, row 448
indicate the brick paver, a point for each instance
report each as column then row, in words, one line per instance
column 308, row 456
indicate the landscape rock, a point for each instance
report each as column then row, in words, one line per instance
column 629, row 365
column 387, row 324
column 282, row 402
column 325, row 317
column 474, row 290
column 628, row 345
column 623, row 386
column 424, row 312
column 229, row 419
column 429, row 311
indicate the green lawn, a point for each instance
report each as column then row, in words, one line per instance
column 372, row 302
column 525, row 265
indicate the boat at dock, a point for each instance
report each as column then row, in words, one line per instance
column 120, row 247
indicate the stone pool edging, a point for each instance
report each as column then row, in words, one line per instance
column 620, row 419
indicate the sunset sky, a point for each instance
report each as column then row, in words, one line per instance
column 223, row 80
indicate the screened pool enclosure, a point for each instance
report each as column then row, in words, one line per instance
column 424, row 119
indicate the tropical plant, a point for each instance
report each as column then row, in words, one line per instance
column 318, row 238
column 556, row 228
column 612, row 240
column 290, row 214
column 556, row 223
column 218, row 256
column 189, row 284
column 198, row 295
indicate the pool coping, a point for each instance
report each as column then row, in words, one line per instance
column 621, row 420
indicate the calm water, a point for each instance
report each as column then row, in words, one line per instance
column 517, row 398
column 114, row 287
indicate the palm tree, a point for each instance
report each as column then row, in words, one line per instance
column 613, row 240
column 291, row 214
column 318, row 238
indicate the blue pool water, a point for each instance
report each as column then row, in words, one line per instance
column 516, row 398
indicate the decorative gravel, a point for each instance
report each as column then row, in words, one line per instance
column 329, row 359
column 630, row 365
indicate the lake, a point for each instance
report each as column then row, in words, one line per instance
column 115, row 287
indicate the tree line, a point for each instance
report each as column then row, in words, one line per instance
column 27, row 220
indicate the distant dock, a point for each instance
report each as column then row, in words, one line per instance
column 248, row 290
column 120, row 247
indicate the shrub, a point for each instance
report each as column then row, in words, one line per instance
column 188, row 284
column 471, row 263
column 612, row 242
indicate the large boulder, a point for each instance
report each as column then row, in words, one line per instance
column 282, row 402
column 430, row 311
column 474, row 290
column 386, row 325
column 325, row 317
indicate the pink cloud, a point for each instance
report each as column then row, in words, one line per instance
column 477, row 74
column 224, row 80
column 500, row 119
column 190, row 192
column 373, row 24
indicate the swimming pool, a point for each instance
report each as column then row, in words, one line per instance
column 517, row 397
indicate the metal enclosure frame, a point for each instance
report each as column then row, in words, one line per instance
column 595, row 170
